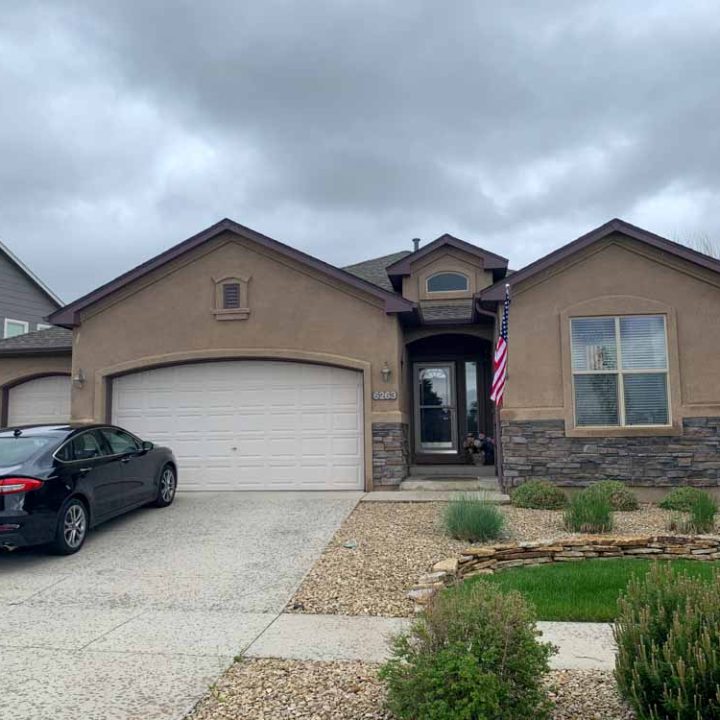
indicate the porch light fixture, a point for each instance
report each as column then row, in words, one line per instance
column 79, row 378
column 386, row 372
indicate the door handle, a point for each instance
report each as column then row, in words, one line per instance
column 85, row 470
column 124, row 460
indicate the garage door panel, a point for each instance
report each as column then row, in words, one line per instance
column 42, row 400
column 250, row 424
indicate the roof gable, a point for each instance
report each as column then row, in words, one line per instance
column 497, row 291
column 490, row 260
column 29, row 275
column 68, row 316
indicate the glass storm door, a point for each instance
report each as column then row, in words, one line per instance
column 435, row 411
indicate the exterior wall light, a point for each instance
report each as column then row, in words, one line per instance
column 386, row 372
column 79, row 378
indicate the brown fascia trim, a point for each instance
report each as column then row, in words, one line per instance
column 497, row 291
column 14, row 352
column 491, row 261
column 68, row 316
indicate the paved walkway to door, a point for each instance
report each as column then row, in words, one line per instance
column 156, row 605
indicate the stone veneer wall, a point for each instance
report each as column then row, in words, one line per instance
column 390, row 453
column 489, row 559
column 540, row 450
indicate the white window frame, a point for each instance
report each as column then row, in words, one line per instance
column 42, row 326
column 24, row 323
column 619, row 372
column 447, row 272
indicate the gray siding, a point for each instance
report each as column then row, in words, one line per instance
column 20, row 298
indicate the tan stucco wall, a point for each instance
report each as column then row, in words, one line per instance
column 296, row 313
column 617, row 276
column 14, row 370
column 445, row 260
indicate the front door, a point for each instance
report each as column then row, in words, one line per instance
column 435, row 408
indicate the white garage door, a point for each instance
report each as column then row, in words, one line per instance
column 43, row 400
column 250, row 425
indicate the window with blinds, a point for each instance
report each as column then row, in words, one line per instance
column 620, row 369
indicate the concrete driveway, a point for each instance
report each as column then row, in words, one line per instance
column 156, row 605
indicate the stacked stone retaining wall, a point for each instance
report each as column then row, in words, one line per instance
column 489, row 559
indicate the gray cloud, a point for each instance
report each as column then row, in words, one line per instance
column 346, row 128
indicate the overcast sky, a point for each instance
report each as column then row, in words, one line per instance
column 346, row 127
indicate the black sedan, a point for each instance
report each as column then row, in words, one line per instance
column 58, row 481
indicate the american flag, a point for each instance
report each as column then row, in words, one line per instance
column 497, row 389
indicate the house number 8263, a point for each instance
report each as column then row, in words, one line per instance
column 384, row 395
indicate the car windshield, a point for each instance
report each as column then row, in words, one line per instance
column 16, row 450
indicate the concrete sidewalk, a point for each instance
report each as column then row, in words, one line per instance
column 581, row 646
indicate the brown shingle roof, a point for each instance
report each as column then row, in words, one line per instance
column 374, row 270
column 54, row 339
column 447, row 312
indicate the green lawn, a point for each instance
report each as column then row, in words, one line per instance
column 582, row 591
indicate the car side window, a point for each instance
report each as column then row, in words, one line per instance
column 85, row 446
column 120, row 442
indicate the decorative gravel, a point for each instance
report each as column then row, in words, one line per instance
column 301, row 690
column 587, row 694
column 380, row 550
column 305, row 690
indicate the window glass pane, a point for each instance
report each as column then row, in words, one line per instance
column 13, row 329
column 596, row 400
column 120, row 442
column 642, row 340
column 471, row 395
column 435, row 386
column 447, row 282
column 85, row 447
column 646, row 399
column 593, row 344
column 16, row 450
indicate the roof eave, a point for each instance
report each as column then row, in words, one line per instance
column 36, row 351
column 491, row 261
column 616, row 225
column 69, row 315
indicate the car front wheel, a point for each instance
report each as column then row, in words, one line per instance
column 166, row 487
column 71, row 529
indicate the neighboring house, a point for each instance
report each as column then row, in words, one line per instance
column 263, row 367
column 25, row 301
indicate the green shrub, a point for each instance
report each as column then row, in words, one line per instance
column 472, row 518
column 539, row 495
column 620, row 496
column 472, row 656
column 589, row 511
column 702, row 514
column 681, row 499
column 699, row 519
column 668, row 659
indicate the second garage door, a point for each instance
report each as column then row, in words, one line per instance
column 42, row 400
column 250, row 425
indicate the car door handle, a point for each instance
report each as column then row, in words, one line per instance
column 124, row 460
column 85, row 470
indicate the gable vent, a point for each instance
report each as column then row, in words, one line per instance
column 231, row 296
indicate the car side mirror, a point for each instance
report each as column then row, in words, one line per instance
column 147, row 446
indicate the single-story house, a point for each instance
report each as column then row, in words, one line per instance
column 264, row 367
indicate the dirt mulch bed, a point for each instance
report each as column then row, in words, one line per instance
column 311, row 690
column 380, row 550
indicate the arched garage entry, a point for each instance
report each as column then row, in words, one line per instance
column 250, row 424
column 38, row 399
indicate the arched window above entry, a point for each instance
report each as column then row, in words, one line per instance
column 447, row 282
